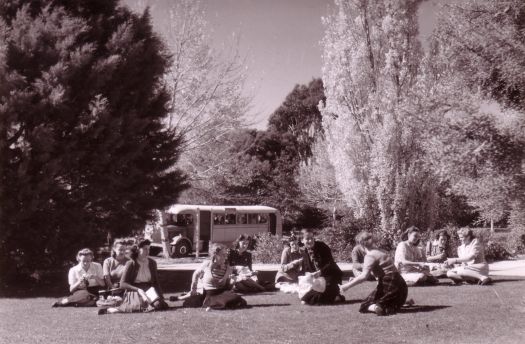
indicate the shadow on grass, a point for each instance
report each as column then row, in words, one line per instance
column 421, row 309
column 503, row 280
column 267, row 305
column 344, row 303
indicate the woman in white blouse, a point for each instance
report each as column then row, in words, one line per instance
column 471, row 256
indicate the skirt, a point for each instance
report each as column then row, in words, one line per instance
column 132, row 302
column 222, row 299
column 327, row 297
column 391, row 293
column 248, row 286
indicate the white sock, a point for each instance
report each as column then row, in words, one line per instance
column 372, row 307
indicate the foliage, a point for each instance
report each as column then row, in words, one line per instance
column 370, row 68
column 82, row 139
column 495, row 251
column 268, row 249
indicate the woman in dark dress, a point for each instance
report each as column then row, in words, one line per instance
column 318, row 260
column 241, row 260
column 391, row 291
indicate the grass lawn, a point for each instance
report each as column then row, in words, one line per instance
column 442, row 314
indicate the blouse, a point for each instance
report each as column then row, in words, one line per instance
column 212, row 275
column 240, row 259
column 474, row 250
column 406, row 251
column 76, row 273
column 113, row 268
column 379, row 263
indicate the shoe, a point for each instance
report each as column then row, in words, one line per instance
column 380, row 311
column 102, row 311
column 486, row 281
column 174, row 298
column 340, row 299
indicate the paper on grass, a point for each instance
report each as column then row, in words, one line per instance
column 152, row 295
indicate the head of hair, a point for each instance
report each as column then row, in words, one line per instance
column 442, row 233
column 242, row 237
column 114, row 247
column 134, row 252
column 408, row 231
column 144, row 242
column 215, row 250
column 307, row 230
column 84, row 252
column 363, row 237
column 466, row 232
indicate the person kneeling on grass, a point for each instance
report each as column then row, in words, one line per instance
column 140, row 282
column 471, row 256
column 410, row 260
column 214, row 275
column 319, row 261
column 391, row 291
column 85, row 281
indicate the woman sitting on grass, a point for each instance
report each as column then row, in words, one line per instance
column 85, row 281
column 113, row 267
column 139, row 275
column 410, row 260
column 391, row 291
column 437, row 252
column 291, row 263
column 240, row 258
column 214, row 275
column 471, row 256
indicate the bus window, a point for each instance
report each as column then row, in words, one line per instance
column 242, row 219
column 218, row 219
column 183, row 219
column 252, row 219
column 263, row 218
column 230, row 219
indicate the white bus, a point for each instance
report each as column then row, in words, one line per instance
column 185, row 229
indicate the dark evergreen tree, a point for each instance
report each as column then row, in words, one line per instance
column 83, row 147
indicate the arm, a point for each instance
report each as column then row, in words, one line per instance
column 125, row 280
column 99, row 276
column 106, row 271
column 400, row 256
column 367, row 267
column 197, row 274
column 74, row 283
column 466, row 257
column 155, row 276
column 355, row 260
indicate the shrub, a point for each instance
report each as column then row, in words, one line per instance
column 268, row 249
column 496, row 251
column 340, row 240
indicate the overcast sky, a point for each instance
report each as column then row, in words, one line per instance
column 280, row 38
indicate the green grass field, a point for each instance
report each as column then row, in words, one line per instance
column 442, row 314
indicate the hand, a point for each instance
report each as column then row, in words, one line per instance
column 142, row 294
column 451, row 261
column 341, row 289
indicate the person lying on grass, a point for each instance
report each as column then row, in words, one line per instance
column 240, row 257
column 391, row 291
column 85, row 281
column 319, row 261
column 140, row 274
column 214, row 274
column 471, row 256
column 410, row 260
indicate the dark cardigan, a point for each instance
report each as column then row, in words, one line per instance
column 323, row 261
column 131, row 270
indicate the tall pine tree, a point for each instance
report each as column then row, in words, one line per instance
column 83, row 145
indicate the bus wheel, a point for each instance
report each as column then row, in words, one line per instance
column 182, row 249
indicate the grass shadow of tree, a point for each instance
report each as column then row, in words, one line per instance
column 422, row 308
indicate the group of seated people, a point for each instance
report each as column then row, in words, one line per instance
column 420, row 266
column 131, row 279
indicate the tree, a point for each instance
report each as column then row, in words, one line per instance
column 473, row 87
column 299, row 115
column 371, row 57
column 84, row 146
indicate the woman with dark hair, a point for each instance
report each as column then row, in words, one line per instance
column 241, row 259
column 139, row 276
column 113, row 267
column 471, row 256
column 291, row 263
column 214, row 275
column 437, row 252
column 391, row 291
column 410, row 259
column 85, row 281
column 318, row 260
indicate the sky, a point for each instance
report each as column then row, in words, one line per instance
column 279, row 38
